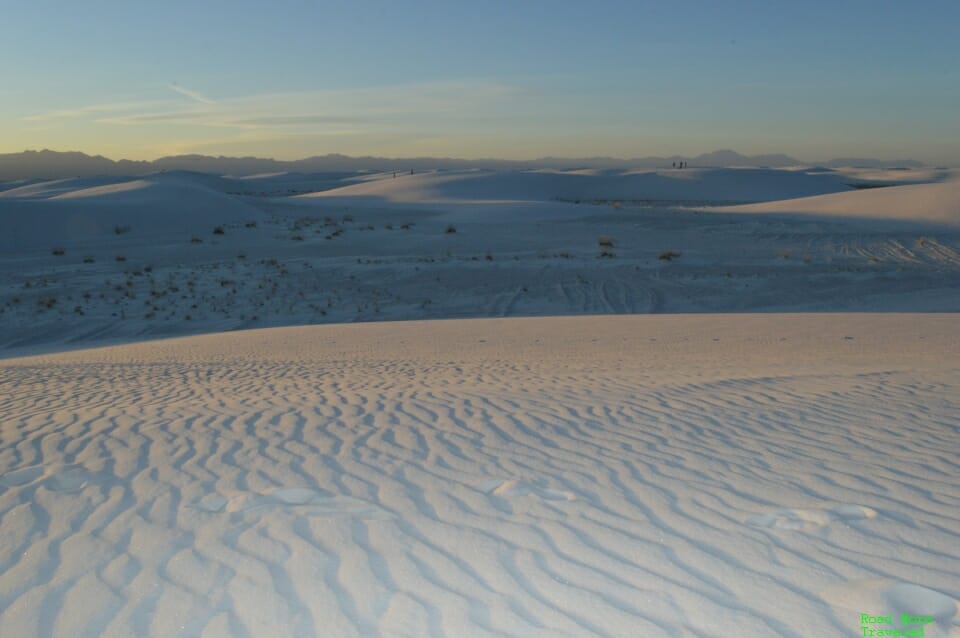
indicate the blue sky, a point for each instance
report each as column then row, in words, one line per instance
column 520, row 79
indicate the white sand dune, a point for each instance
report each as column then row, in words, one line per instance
column 709, row 475
column 740, row 185
column 49, row 189
column 81, row 211
column 898, row 176
column 93, row 260
column 936, row 203
column 738, row 475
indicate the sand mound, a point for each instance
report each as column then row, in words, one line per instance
column 72, row 211
column 937, row 203
column 735, row 185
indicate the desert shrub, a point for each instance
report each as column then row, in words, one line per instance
column 606, row 254
column 218, row 230
column 88, row 259
column 451, row 229
column 121, row 257
column 251, row 224
column 605, row 241
column 196, row 240
column 47, row 302
column 668, row 255
column 58, row 252
column 296, row 238
column 121, row 230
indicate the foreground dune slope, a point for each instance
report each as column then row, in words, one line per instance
column 749, row 475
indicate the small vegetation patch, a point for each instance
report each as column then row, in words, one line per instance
column 668, row 255
column 605, row 241
column 218, row 230
column 121, row 257
column 121, row 230
column 58, row 252
column 451, row 229
column 88, row 259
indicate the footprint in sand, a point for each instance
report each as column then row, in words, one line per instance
column 69, row 478
column 22, row 476
column 310, row 502
column 72, row 478
column 213, row 503
column 934, row 611
column 808, row 520
column 516, row 488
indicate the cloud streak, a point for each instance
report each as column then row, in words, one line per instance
column 91, row 110
column 370, row 117
column 196, row 96
column 371, row 108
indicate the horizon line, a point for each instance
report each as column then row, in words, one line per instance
column 782, row 155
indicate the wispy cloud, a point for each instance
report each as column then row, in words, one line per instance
column 370, row 117
column 296, row 120
column 312, row 110
column 193, row 95
column 83, row 111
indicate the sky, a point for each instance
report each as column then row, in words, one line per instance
column 515, row 79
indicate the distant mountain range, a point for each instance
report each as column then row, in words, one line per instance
column 55, row 165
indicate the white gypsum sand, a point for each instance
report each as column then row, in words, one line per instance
column 84, row 261
column 710, row 475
